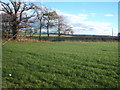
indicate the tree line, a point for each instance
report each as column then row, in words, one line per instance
column 18, row 15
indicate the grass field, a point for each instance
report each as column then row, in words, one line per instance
column 60, row 65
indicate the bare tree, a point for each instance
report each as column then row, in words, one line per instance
column 60, row 24
column 16, row 11
column 40, row 11
column 49, row 17
column 68, row 29
column 5, row 25
column 27, row 24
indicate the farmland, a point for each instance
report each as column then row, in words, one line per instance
column 60, row 65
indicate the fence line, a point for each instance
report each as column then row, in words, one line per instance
column 8, row 40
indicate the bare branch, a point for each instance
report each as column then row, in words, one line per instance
column 6, row 8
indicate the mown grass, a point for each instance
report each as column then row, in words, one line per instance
column 60, row 65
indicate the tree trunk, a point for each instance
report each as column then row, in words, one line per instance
column 25, row 33
column 59, row 32
column 14, row 29
column 48, row 31
column 14, row 35
column 40, row 33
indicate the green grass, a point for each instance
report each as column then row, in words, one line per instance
column 60, row 65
